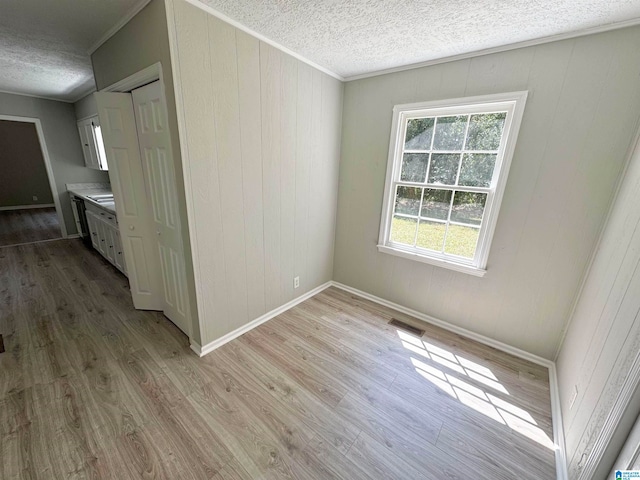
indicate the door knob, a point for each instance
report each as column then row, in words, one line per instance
column 158, row 232
column 131, row 227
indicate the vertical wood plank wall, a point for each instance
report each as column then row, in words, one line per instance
column 580, row 117
column 263, row 140
column 603, row 338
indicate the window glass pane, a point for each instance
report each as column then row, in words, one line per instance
column 414, row 167
column 97, row 130
column 468, row 207
column 450, row 133
column 419, row 133
column 408, row 200
column 436, row 204
column 485, row 131
column 444, row 168
column 477, row 169
column 462, row 241
column 403, row 230
column 431, row 235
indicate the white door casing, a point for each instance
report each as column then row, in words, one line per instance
column 158, row 168
column 134, row 215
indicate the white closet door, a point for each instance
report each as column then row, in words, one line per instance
column 158, row 167
column 134, row 214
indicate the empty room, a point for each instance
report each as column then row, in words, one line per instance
column 316, row 240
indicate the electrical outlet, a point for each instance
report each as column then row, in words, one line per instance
column 35, row 198
column 574, row 395
column 296, row 282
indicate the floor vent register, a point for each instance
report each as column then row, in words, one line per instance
column 406, row 327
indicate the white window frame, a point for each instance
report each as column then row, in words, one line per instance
column 513, row 103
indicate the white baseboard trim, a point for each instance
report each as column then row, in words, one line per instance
column 556, row 413
column 196, row 347
column 32, row 243
column 201, row 351
column 27, row 207
column 516, row 352
column 558, row 431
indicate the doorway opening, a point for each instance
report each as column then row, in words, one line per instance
column 29, row 205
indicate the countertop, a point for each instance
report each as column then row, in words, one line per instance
column 85, row 192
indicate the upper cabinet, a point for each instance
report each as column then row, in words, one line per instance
column 92, row 145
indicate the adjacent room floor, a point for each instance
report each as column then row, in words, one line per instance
column 28, row 226
column 90, row 387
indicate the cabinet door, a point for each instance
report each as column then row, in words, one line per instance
column 110, row 243
column 92, row 223
column 119, row 255
column 102, row 237
column 84, row 141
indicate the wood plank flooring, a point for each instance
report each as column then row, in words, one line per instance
column 91, row 388
column 28, row 225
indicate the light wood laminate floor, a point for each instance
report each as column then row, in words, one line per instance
column 28, row 225
column 91, row 388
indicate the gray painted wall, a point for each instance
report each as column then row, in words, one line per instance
column 22, row 170
column 581, row 113
column 63, row 142
column 263, row 134
column 142, row 42
column 603, row 338
column 86, row 107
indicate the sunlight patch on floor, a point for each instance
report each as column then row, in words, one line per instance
column 480, row 400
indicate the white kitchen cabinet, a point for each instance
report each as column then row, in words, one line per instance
column 93, row 229
column 105, row 237
column 119, row 254
column 92, row 146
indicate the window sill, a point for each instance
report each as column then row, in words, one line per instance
column 458, row 267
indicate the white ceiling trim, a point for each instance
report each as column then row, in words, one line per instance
column 262, row 38
column 503, row 48
column 81, row 96
column 528, row 43
column 123, row 21
column 39, row 96
column 463, row 56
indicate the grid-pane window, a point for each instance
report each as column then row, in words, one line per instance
column 444, row 184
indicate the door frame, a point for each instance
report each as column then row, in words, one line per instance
column 47, row 165
column 139, row 79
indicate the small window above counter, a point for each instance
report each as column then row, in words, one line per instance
column 92, row 144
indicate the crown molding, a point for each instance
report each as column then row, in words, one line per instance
column 503, row 48
column 463, row 56
column 41, row 97
column 121, row 23
column 262, row 38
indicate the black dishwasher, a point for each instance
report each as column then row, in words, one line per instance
column 81, row 218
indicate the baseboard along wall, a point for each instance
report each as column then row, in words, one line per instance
column 556, row 413
column 27, row 207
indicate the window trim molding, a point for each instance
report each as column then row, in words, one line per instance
column 477, row 265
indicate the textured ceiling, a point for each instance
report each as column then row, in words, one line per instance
column 44, row 44
column 353, row 37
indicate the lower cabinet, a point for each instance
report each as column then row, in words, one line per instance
column 105, row 238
